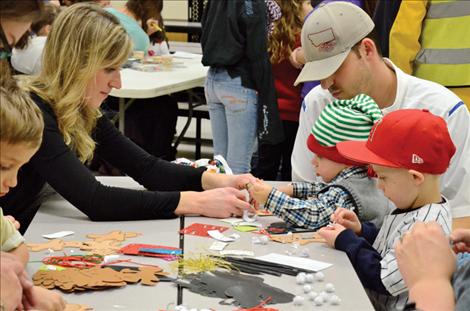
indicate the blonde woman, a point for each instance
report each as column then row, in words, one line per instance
column 81, row 62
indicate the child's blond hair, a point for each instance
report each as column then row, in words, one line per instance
column 20, row 118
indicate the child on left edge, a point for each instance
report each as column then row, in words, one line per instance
column 21, row 130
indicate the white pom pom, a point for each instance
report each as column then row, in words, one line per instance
column 319, row 276
column 298, row 300
column 307, row 288
column 300, row 278
column 329, row 287
column 309, row 278
column 318, row 300
column 312, row 296
column 334, row 300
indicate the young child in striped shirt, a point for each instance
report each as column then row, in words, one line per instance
column 408, row 150
column 345, row 183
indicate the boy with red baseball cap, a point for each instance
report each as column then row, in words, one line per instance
column 345, row 182
column 408, row 149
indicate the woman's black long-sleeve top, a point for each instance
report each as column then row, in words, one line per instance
column 56, row 164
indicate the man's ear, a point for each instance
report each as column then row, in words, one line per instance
column 418, row 177
column 368, row 47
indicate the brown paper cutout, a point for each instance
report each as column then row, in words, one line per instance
column 74, row 279
column 77, row 307
column 55, row 245
column 113, row 235
column 298, row 238
column 100, row 244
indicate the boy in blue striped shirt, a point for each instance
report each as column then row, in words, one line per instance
column 409, row 149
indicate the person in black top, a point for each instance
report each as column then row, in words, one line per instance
column 239, row 88
column 82, row 57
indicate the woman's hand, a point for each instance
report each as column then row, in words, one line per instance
column 217, row 203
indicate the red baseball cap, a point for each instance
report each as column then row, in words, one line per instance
column 330, row 153
column 408, row 138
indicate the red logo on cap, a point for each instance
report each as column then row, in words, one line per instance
column 324, row 41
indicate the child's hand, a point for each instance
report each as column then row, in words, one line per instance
column 13, row 221
column 47, row 300
column 259, row 191
column 348, row 219
column 330, row 233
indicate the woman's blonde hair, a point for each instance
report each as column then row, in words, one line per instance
column 83, row 40
column 20, row 118
column 286, row 29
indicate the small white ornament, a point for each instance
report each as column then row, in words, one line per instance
column 309, row 278
column 330, row 288
column 312, row 296
column 307, row 288
column 318, row 300
column 298, row 300
column 300, row 278
column 325, row 296
column 335, row 300
column 319, row 276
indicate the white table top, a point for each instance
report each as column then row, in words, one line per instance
column 186, row 73
column 57, row 215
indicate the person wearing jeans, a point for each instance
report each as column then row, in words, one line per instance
column 233, row 114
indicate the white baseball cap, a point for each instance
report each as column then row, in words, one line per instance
column 327, row 37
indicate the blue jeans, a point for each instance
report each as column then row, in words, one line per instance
column 233, row 114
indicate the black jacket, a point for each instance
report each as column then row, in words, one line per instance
column 234, row 37
column 57, row 165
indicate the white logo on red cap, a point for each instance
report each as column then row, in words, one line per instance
column 324, row 41
column 416, row 159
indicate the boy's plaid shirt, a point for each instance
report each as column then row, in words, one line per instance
column 307, row 208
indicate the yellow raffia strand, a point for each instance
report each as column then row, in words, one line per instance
column 200, row 263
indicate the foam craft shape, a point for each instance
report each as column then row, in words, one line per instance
column 134, row 249
column 56, row 245
column 77, row 307
column 263, row 212
column 100, row 244
column 297, row 238
column 113, row 235
column 201, row 229
column 74, row 279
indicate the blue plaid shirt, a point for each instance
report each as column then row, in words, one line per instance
column 307, row 208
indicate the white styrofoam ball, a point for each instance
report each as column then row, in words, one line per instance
column 309, row 278
column 324, row 295
column 318, row 300
column 335, row 300
column 330, row 288
column 298, row 300
column 307, row 288
column 312, row 296
column 300, row 278
column 319, row 276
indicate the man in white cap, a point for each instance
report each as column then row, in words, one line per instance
column 337, row 39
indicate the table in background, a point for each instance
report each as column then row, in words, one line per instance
column 186, row 73
column 57, row 215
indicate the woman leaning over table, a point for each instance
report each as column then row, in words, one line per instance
column 82, row 57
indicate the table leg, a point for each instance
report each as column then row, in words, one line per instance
column 122, row 110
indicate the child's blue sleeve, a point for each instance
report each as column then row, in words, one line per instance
column 364, row 258
column 369, row 232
